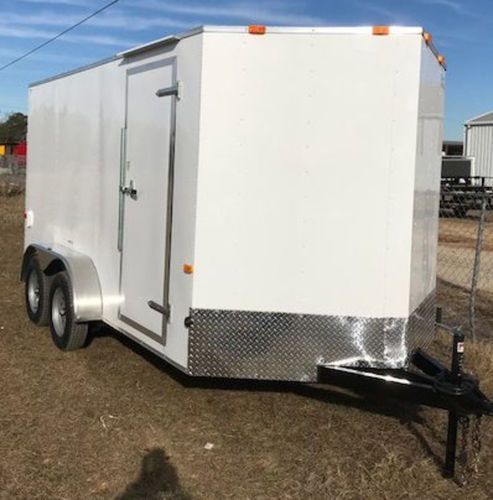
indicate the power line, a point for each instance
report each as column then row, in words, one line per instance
column 56, row 37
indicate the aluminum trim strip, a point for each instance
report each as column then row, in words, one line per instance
column 137, row 326
column 75, row 71
column 288, row 346
column 323, row 30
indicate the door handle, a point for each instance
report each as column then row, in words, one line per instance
column 160, row 309
column 129, row 190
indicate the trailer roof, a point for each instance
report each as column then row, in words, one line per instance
column 173, row 39
column 485, row 118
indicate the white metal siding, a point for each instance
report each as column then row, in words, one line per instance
column 73, row 171
column 479, row 140
column 73, row 168
column 306, row 177
column 427, row 179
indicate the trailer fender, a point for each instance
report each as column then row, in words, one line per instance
column 86, row 288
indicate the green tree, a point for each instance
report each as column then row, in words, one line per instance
column 14, row 128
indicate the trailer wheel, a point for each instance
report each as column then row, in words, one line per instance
column 65, row 332
column 37, row 293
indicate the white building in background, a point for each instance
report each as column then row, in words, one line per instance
column 478, row 144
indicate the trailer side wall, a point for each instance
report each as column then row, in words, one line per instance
column 75, row 132
column 427, row 178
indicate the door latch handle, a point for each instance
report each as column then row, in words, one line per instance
column 129, row 190
column 160, row 309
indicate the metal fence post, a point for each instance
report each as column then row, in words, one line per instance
column 476, row 268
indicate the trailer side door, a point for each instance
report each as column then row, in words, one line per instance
column 146, row 197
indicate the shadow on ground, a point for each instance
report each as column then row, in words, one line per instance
column 364, row 400
column 157, row 480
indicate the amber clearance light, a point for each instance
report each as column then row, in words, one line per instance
column 188, row 268
column 381, row 30
column 427, row 37
column 257, row 29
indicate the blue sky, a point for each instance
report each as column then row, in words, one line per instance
column 462, row 30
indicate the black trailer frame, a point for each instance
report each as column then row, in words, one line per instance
column 434, row 385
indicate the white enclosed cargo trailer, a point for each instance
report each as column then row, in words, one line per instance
column 243, row 202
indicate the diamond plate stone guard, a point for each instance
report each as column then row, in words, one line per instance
column 285, row 346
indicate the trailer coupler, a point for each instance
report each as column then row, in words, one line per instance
column 435, row 386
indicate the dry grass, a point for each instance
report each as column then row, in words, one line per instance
column 455, row 302
column 12, row 185
column 112, row 421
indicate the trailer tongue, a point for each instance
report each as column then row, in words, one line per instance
column 435, row 386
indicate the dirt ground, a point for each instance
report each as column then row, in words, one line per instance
column 113, row 422
column 462, row 232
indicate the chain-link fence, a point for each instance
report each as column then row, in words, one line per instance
column 12, row 175
column 465, row 254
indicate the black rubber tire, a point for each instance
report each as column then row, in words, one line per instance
column 41, row 316
column 74, row 334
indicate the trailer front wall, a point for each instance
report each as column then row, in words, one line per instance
column 305, row 207
column 306, row 178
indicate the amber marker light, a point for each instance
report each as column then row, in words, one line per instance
column 381, row 30
column 188, row 268
column 257, row 29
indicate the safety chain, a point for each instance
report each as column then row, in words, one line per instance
column 468, row 458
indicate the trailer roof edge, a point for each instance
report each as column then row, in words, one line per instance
column 74, row 71
column 172, row 39
column 350, row 30
column 121, row 55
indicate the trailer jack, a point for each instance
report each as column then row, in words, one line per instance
column 435, row 386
